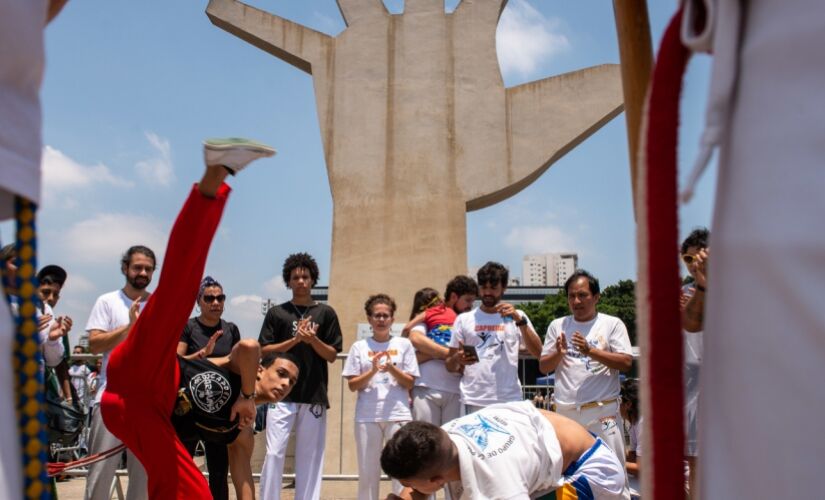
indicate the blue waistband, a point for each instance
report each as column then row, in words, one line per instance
column 573, row 467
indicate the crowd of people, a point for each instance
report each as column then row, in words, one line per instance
column 454, row 367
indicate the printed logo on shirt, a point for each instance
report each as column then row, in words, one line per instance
column 483, row 429
column 391, row 352
column 498, row 327
column 608, row 423
column 487, row 349
column 589, row 364
column 311, row 324
column 210, row 391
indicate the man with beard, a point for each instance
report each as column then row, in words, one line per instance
column 436, row 395
column 108, row 326
column 486, row 342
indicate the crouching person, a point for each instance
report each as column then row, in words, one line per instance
column 504, row 451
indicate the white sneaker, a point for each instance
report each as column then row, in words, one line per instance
column 234, row 153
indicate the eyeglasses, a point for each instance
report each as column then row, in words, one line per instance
column 212, row 298
column 689, row 259
column 381, row 317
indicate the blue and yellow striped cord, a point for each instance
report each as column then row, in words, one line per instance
column 27, row 360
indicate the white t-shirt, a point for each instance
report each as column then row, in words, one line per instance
column 434, row 374
column 79, row 375
column 53, row 350
column 580, row 379
column 383, row 400
column 693, row 340
column 505, row 451
column 111, row 310
column 494, row 379
column 635, row 434
column 21, row 72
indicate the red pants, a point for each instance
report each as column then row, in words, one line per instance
column 143, row 374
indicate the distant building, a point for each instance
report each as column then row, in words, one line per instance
column 549, row 269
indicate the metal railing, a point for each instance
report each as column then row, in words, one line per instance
column 529, row 392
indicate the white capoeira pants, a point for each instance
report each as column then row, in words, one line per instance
column 603, row 421
column 11, row 456
column 310, row 424
column 764, row 343
column 369, row 442
column 434, row 406
column 21, row 73
column 101, row 474
column 597, row 474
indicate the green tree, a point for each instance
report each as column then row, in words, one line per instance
column 617, row 300
column 620, row 300
column 541, row 314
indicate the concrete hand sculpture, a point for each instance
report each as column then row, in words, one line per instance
column 418, row 128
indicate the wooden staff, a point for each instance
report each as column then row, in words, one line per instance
column 636, row 56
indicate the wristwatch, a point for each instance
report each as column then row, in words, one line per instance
column 522, row 321
column 250, row 396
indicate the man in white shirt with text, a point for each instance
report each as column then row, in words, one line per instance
column 587, row 350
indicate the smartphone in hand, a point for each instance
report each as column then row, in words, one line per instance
column 470, row 352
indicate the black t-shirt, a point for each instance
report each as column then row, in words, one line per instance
column 204, row 402
column 196, row 335
column 281, row 324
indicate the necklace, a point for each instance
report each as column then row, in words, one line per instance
column 298, row 311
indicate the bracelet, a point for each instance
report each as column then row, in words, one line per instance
column 700, row 287
column 250, row 396
column 522, row 321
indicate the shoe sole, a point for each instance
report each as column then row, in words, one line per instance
column 246, row 146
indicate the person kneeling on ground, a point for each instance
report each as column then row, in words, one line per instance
column 503, row 451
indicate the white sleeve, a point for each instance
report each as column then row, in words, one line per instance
column 352, row 366
column 457, row 334
column 420, row 327
column 53, row 350
column 409, row 361
column 619, row 340
column 549, row 347
column 520, row 334
column 100, row 317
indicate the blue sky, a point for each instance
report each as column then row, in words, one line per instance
column 132, row 88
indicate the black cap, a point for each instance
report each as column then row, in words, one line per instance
column 7, row 252
column 57, row 273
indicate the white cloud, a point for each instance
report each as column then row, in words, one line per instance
column 539, row 239
column 525, row 38
column 276, row 289
column 158, row 169
column 246, row 312
column 62, row 175
column 104, row 237
column 77, row 283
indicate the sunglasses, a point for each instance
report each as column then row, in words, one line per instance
column 212, row 298
column 689, row 259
